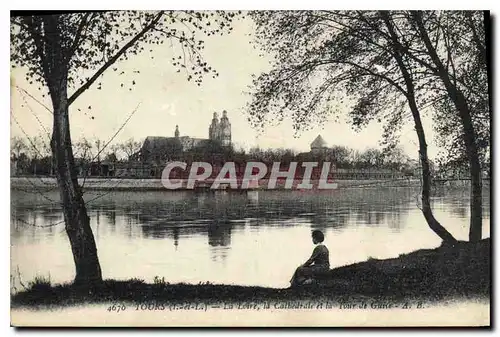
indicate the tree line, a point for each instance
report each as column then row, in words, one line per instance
column 33, row 156
column 342, row 156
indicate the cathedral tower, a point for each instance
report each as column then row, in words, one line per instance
column 225, row 130
column 220, row 131
column 213, row 129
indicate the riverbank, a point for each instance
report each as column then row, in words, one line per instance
column 428, row 275
column 39, row 184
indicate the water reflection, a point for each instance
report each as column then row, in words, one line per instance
column 163, row 215
column 173, row 232
column 184, row 214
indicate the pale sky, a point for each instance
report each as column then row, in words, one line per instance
column 166, row 98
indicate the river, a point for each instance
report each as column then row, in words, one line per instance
column 247, row 239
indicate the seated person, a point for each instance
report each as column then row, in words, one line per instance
column 319, row 262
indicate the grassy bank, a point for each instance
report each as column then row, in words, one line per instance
column 430, row 275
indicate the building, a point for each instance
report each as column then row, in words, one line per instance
column 155, row 149
column 319, row 152
column 319, row 145
column 150, row 160
column 220, row 131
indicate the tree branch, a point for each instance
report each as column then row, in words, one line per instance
column 34, row 98
column 38, row 40
column 78, row 34
column 370, row 72
column 112, row 60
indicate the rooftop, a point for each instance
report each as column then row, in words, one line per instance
column 319, row 142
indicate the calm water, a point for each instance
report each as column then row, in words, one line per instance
column 255, row 239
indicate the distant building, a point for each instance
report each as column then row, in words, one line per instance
column 220, row 131
column 156, row 149
column 321, row 151
column 149, row 161
column 319, row 145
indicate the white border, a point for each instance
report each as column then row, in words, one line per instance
column 148, row 4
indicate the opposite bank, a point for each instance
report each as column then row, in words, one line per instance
column 131, row 184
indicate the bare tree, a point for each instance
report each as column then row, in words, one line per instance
column 17, row 146
column 130, row 147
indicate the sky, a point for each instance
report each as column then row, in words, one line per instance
column 163, row 99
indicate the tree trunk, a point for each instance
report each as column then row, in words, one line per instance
column 424, row 160
column 83, row 246
column 457, row 97
column 426, row 178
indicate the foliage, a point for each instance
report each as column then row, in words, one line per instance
column 93, row 41
column 463, row 34
column 327, row 62
column 159, row 281
column 388, row 64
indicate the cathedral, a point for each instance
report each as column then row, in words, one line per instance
column 162, row 148
column 220, row 131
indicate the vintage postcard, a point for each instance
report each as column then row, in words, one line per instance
column 250, row 168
